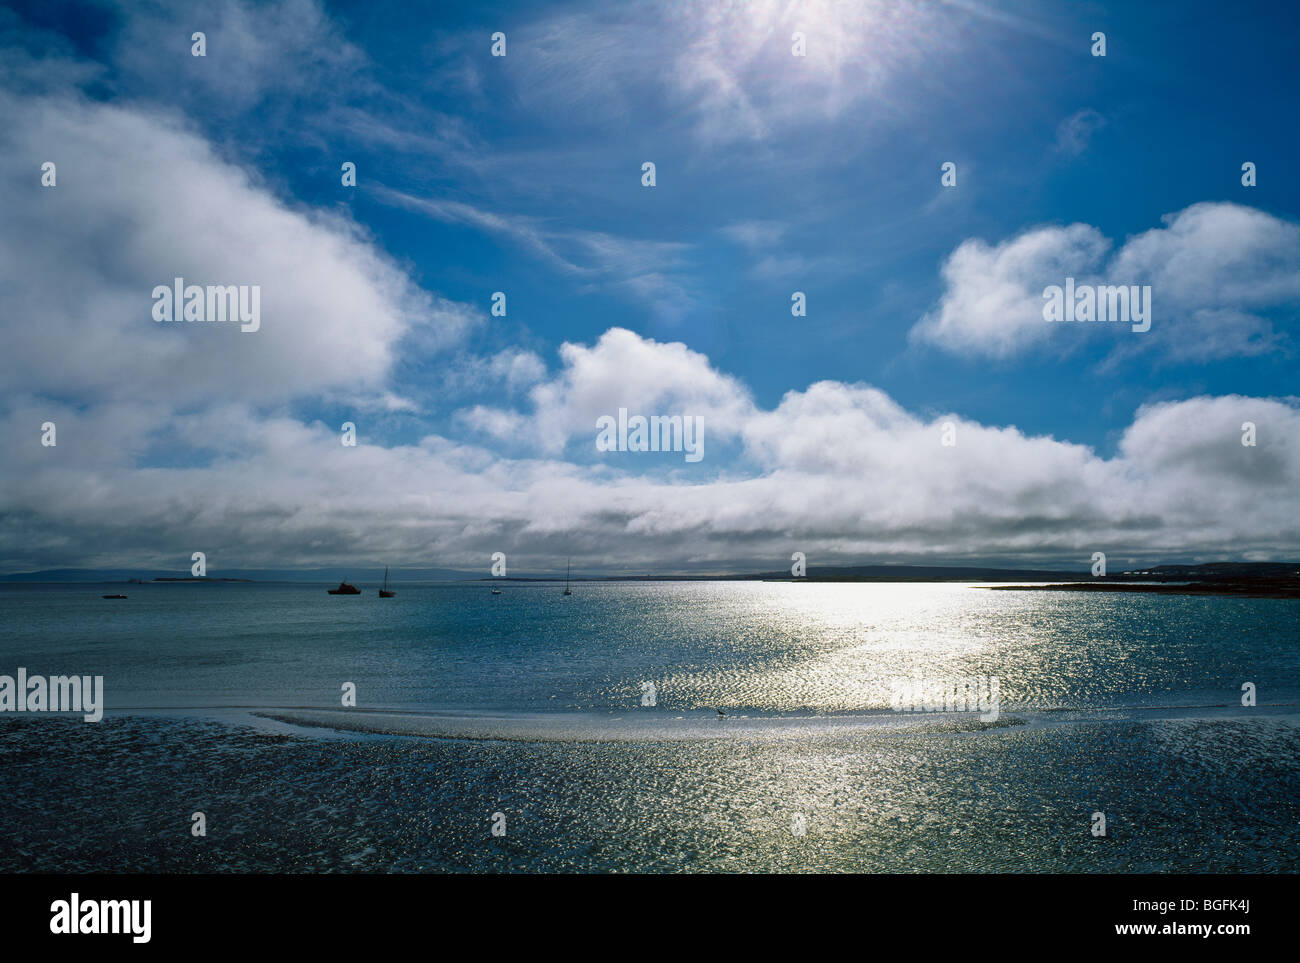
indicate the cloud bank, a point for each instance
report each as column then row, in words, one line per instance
column 839, row 471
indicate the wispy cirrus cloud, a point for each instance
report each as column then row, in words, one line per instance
column 730, row 69
column 258, row 53
column 653, row 271
column 1074, row 134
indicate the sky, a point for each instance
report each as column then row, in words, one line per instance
column 920, row 410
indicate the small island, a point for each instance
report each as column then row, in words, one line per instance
column 195, row 578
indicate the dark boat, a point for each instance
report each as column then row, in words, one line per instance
column 114, row 596
column 345, row 589
column 566, row 591
column 383, row 592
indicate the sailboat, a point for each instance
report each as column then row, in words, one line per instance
column 383, row 592
column 567, row 590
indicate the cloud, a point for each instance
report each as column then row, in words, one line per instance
column 255, row 52
column 1198, row 441
column 511, row 369
column 756, row 235
column 621, row 370
column 652, row 271
column 524, row 231
column 442, row 325
column 1226, row 277
column 992, row 302
column 141, row 200
column 1074, row 134
column 842, row 472
column 726, row 69
column 1225, row 282
column 761, row 238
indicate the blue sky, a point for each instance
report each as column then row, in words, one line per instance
column 1184, row 96
column 775, row 174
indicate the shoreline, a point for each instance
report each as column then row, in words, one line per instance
column 1237, row 588
column 588, row 728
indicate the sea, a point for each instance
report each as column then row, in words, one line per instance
column 651, row 727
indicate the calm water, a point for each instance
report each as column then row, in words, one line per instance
column 775, row 647
column 1127, row 705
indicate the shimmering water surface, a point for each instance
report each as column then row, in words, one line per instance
column 778, row 647
column 1125, row 704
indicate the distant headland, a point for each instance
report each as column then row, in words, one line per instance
column 195, row 578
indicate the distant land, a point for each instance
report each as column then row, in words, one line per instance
column 1250, row 587
column 357, row 574
column 195, row 578
column 1223, row 573
column 939, row 573
column 1257, row 580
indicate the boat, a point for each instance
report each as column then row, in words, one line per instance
column 496, row 591
column 567, row 590
column 345, row 589
column 383, row 592
column 114, row 596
